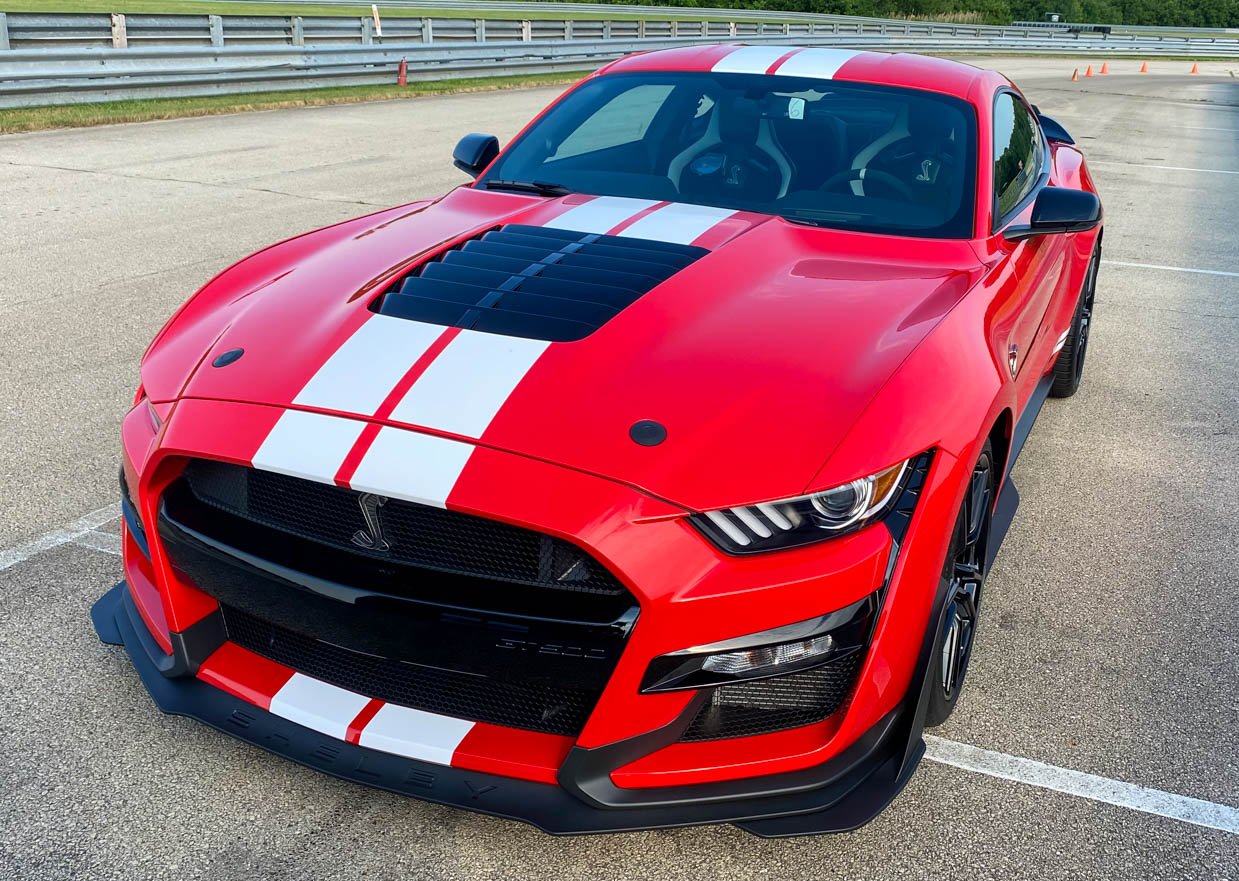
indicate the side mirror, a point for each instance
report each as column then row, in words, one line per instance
column 474, row 153
column 1059, row 210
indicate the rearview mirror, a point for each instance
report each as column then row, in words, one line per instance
column 1059, row 210
column 474, row 153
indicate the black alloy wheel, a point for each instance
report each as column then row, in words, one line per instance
column 1069, row 366
column 963, row 576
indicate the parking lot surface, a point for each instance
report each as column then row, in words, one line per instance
column 1108, row 640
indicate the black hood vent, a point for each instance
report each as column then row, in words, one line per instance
column 534, row 282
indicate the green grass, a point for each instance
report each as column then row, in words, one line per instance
column 208, row 7
column 27, row 119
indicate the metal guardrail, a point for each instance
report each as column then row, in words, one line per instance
column 60, row 59
column 539, row 7
column 1117, row 28
column 56, row 30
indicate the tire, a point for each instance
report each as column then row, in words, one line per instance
column 1069, row 367
column 963, row 577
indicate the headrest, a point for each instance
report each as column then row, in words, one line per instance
column 739, row 121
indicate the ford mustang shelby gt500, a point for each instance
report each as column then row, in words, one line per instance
column 649, row 479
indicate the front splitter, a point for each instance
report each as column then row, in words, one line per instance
column 857, row 787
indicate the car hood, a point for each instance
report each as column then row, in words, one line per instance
column 756, row 359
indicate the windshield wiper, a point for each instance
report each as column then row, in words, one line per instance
column 540, row 187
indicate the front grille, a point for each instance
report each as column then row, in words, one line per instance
column 775, row 704
column 535, row 282
column 547, row 708
column 461, row 616
column 417, row 535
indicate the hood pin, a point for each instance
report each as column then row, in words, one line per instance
column 227, row 357
column 647, row 433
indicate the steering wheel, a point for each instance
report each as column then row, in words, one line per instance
column 869, row 176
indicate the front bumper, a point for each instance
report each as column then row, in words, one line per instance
column 839, row 795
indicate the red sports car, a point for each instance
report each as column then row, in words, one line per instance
column 651, row 478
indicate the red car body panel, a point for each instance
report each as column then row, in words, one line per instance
column 787, row 360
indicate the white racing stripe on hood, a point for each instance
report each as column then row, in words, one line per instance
column 677, row 223
column 463, row 389
column 820, row 64
column 309, row 445
column 416, row 734
column 415, row 467
column 751, row 59
column 318, row 705
column 363, row 371
column 599, row 215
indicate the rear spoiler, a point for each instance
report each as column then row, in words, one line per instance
column 1053, row 128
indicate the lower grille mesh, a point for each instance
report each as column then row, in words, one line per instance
column 534, row 707
column 775, row 704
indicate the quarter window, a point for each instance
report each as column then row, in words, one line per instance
column 1016, row 154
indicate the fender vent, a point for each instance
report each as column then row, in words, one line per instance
column 534, row 282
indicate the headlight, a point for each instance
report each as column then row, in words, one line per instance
column 806, row 519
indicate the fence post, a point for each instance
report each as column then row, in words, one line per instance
column 567, row 29
column 4, row 31
column 479, row 30
column 120, row 39
column 367, row 31
column 675, row 28
column 298, row 31
column 526, row 31
column 641, row 29
column 787, row 28
column 731, row 28
column 428, row 31
column 217, row 30
column 606, row 29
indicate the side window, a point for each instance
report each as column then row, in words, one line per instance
column 622, row 120
column 1017, row 154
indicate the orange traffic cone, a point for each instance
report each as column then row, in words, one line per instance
column 1105, row 67
column 1075, row 75
column 1089, row 72
column 1144, row 67
column 1195, row 68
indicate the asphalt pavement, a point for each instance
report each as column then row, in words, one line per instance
column 1108, row 644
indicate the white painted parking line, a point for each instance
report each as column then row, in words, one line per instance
column 1209, row 128
column 99, row 541
column 67, row 533
column 1159, row 167
column 1110, row 262
column 1196, row 811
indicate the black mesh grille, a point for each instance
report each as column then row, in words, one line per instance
column 537, row 707
column 417, row 535
column 534, row 282
column 777, row 703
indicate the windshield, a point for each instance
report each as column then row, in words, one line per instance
column 822, row 152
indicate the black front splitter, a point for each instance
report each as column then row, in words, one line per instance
column 839, row 796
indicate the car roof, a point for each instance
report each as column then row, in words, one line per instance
column 880, row 68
